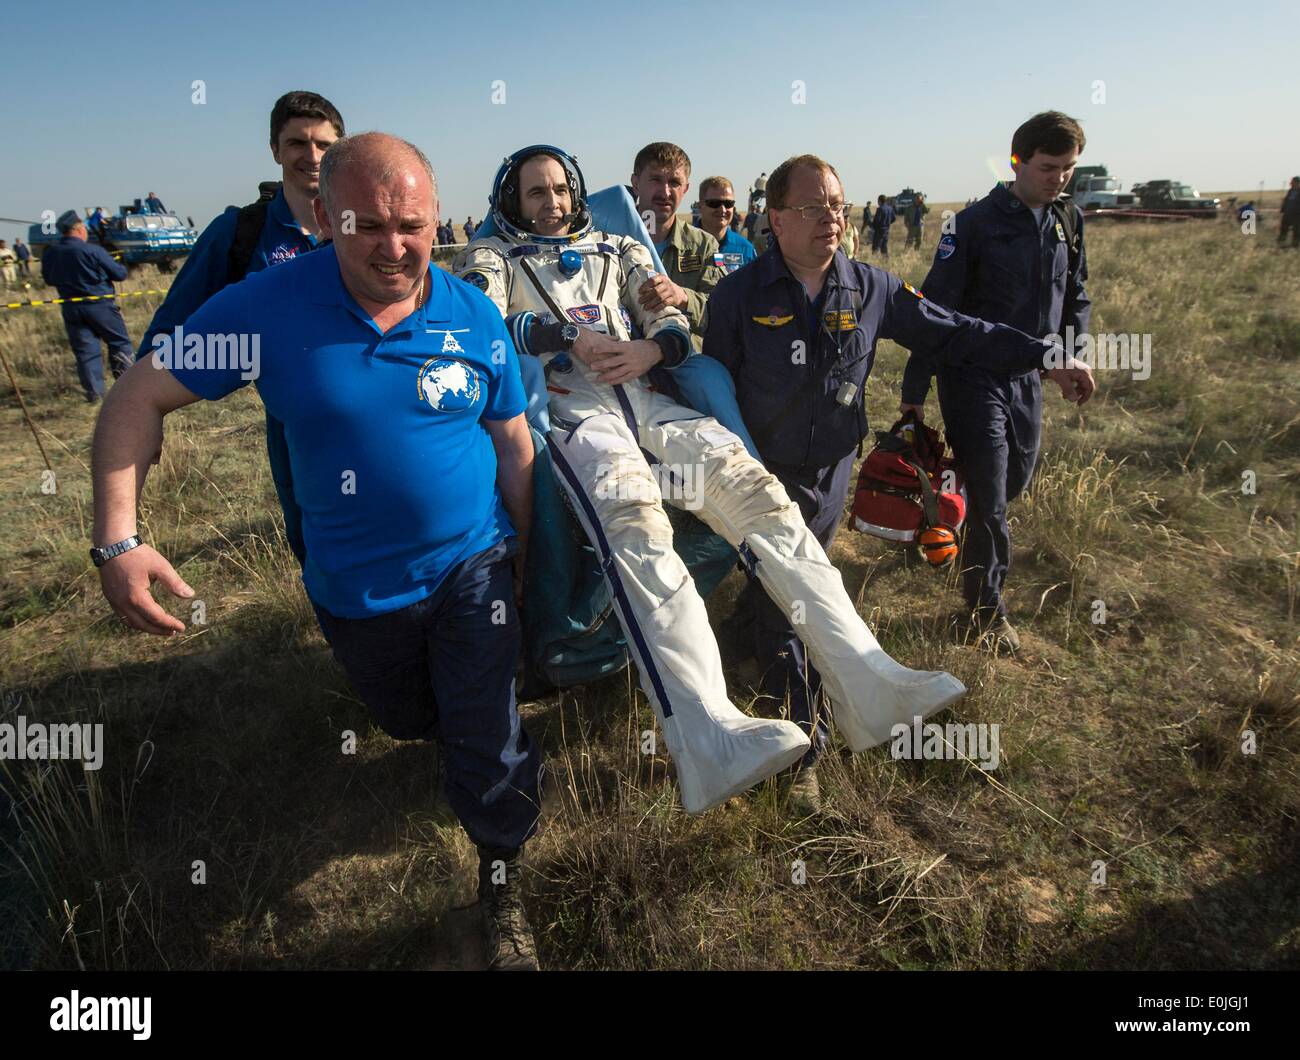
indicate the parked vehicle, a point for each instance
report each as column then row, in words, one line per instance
column 139, row 236
column 1171, row 195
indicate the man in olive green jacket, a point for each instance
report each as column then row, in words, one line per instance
column 661, row 177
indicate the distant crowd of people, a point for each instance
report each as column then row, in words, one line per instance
column 15, row 263
column 447, row 232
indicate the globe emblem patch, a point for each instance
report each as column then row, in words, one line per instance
column 448, row 384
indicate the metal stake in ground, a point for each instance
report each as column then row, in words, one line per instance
column 26, row 414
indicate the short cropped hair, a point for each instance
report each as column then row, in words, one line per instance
column 714, row 182
column 345, row 150
column 661, row 153
column 778, row 184
column 302, row 105
column 1051, row 132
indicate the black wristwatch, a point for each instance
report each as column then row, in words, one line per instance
column 569, row 334
column 100, row 556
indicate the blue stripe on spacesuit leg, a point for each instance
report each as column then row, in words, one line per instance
column 612, row 575
column 626, row 406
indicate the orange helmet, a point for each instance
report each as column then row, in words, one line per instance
column 938, row 545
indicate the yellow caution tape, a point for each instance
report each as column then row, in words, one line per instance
column 79, row 298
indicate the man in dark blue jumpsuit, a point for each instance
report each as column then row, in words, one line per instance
column 797, row 330
column 80, row 269
column 880, row 223
column 1016, row 257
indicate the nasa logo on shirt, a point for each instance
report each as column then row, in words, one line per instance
column 947, row 247
column 284, row 252
column 448, row 384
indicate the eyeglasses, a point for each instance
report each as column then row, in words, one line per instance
column 714, row 204
column 819, row 210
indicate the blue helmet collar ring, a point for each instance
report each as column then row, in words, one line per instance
column 505, row 197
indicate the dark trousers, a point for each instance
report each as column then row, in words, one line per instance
column 444, row 668
column 1291, row 224
column 880, row 241
column 87, row 323
column 785, row 668
column 994, row 424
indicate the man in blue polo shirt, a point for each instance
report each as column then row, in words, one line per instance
column 399, row 390
column 276, row 228
column 717, row 211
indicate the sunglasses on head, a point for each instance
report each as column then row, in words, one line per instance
column 714, row 204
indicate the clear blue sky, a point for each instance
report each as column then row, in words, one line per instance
column 897, row 94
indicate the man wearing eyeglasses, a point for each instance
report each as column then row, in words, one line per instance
column 797, row 330
column 717, row 212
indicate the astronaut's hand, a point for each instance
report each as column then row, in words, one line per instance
column 660, row 291
column 593, row 344
column 629, row 361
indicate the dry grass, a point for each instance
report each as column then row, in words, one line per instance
column 1121, row 742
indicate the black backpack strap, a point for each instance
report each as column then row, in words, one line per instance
column 929, row 502
column 1068, row 217
column 248, row 230
column 888, row 442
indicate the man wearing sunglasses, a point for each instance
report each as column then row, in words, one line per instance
column 717, row 212
column 797, row 330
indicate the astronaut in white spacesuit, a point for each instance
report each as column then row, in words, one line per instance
column 569, row 294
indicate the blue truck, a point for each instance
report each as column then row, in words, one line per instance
column 138, row 235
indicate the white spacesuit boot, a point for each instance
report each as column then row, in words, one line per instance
column 718, row 751
column 743, row 503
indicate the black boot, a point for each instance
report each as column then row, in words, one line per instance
column 507, row 938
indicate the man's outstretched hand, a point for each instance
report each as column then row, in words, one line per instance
column 126, row 580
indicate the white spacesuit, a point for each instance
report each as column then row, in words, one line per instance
column 602, row 441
